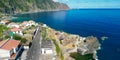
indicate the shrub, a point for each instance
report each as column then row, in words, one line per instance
column 78, row 56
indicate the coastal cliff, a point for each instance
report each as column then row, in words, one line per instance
column 65, row 46
column 18, row 6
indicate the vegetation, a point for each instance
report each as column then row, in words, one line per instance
column 7, row 36
column 61, row 42
column 31, row 27
column 57, row 46
column 59, row 53
column 44, row 33
column 18, row 37
column 10, row 6
column 78, row 56
column 2, row 29
column 40, row 23
column 23, row 40
column 62, row 57
column 1, row 16
column 24, row 32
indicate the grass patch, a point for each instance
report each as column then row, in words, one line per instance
column 60, row 41
column 3, row 28
column 78, row 56
column 62, row 57
column 59, row 53
column 44, row 33
column 20, row 38
column 57, row 46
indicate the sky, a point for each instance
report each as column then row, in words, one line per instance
column 91, row 3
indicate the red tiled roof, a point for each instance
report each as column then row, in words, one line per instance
column 24, row 23
column 9, row 44
column 2, row 42
column 15, row 29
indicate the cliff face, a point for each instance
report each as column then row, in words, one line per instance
column 89, row 45
column 11, row 6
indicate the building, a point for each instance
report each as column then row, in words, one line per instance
column 13, row 25
column 28, row 23
column 17, row 31
column 4, row 22
column 44, row 25
column 25, row 23
column 46, row 47
column 31, row 22
column 9, row 49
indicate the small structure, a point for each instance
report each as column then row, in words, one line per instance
column 87, row 45
column 9, row 49
column 44, row 25
column 5, row 21
column 28, row 23
column 13, row 25
column 46, row 47
column 25, row 24
column 17, row 31
column 31, row 22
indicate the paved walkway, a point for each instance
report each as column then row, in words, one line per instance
column 24, row 54
column 34, row 52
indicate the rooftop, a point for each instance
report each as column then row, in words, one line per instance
column 12, row 23
column 6, row 21
column 46, row 44
column 31, row 21
column 24, row 23
column 9, row 44
column 15, row 29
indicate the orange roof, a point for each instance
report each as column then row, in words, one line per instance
column 2, row 42
column 15, row 29
column 9, row 44
column 24, row 23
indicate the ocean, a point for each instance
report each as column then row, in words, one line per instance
column 85, row 22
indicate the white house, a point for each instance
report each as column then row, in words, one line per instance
column 9, row 49
column 44, row 25
column 31, row 22
column 46, row 47
column 82, row 39
column 13, row 25
column 28, row 23
column 4, row 21
column 25, row 23
column 17, row 31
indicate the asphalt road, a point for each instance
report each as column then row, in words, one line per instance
column 34, row 52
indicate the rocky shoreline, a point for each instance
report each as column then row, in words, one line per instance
column 70, row 43
column 42, row 11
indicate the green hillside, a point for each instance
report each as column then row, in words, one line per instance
column 12, row 6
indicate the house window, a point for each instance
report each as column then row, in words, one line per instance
column 16, row 49
column 11, row 52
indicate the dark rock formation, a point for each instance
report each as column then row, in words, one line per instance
column 89, row 45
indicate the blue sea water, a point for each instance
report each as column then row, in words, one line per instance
column 85, row 22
